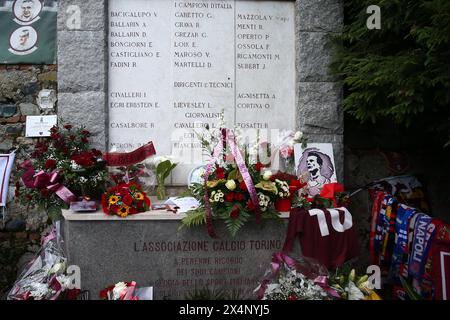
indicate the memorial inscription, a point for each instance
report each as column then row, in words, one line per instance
column 175, row 65
column 154, row 252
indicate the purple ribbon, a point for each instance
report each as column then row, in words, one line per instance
column 279, row 258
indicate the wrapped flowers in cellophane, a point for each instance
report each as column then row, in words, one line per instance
column 295, row 279
column 44, row 277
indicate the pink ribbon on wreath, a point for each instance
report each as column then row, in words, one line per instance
column 228, row 135
column 278, row 258
column 240, row 162
column 322, row 281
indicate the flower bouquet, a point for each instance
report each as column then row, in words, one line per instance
column 45, row 277
column 353, row 287
column 60, row 170
column 125, row 199
column 236, row 190
column 332, row 195
column 126, row 291
column 295, row 279
column 119, row 291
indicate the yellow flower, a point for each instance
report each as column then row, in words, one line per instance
column 139, row 196
column 373, row 296
column 214, row 183
column 113, row 199
column 123, row 211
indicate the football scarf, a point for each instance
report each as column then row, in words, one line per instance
column 404, row 214
column 423, row 232
column 376, row 208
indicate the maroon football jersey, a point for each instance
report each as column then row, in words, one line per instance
column 327, row 235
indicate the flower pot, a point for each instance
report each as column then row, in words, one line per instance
column 283, row 205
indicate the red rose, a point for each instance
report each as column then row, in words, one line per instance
column 104, row 204
column 96, row 153
column 292, row 297
column 229, row 197
column 72, row 137
column 84, row 140
column 67, row 126
column 29, row 197
column 295, row 185
column 259, row 166
column 127, row 199
column 45, row 193
column 55, row 136
column 114, row 208
column 84, row 159
column 234, row 212
column 85, row 133
column 238, row 196
column 242, row 186
column 250, row 205
column 133, row 210
column 220, row 173
column 50, row 164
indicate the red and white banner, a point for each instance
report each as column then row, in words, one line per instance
column 117, row 159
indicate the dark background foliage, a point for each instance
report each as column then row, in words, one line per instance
column 400, row 73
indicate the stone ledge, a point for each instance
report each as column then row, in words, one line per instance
column 148, row 215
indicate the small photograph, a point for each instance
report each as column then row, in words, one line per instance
column 315, row 163
column 27, row 11
column 23, row 40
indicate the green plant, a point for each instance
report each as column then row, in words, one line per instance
column 402, row 71
column 163, row 170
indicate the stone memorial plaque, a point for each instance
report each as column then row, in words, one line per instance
column 175, row 64
column 174, row 262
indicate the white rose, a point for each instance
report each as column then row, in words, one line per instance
column 267, row 174
column 231, row 185
column 298, row 135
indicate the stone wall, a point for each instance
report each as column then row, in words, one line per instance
column 82, row 68
column 20, row 232
column 319, row 114
column 19, row 87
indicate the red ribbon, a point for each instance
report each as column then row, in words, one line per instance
column 123, row 159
